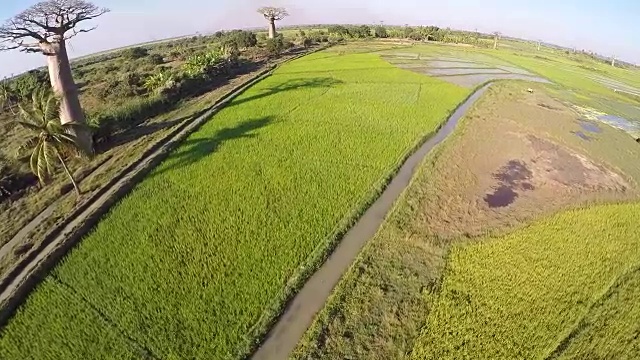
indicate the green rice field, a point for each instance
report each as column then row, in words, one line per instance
column 565, row 287
column 200, row 257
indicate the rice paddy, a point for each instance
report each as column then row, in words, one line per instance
column 200, row 257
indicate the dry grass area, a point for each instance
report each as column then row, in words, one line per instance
column 515, row 157
column 519, row 156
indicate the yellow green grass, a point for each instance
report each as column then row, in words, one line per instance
column 551, row 287
column 198, row 259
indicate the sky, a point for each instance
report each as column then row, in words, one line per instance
column 611, row 28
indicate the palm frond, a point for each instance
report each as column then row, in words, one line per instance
column 50, row 158
column 35, row 161
column 52, row 108
column 29, row 126
column 28, row 145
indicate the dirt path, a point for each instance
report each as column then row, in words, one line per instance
column 301, row 310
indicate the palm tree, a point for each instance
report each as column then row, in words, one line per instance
column 50, row 141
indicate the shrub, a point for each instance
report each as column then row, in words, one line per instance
column 207, row 64
column 123, row 86
column 135, row 53
column 156, row 59
column 243, row 39
column 275, row 46
column 160, row 83
column 21, row 87
column 306, row 42
column 416, row 36
column 380, row 32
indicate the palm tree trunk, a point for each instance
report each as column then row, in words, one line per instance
column 66, row 170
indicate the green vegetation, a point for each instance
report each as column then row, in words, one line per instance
column 199, row 257
column 131, row 105
column 529, row 294
column 381, row 306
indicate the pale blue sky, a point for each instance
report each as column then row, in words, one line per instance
column 608, row 27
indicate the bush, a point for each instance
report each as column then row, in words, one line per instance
column 207, row 64
column 156, row 59
column 416, row 36
column 135, row 53
column 306, row 42
column 275, row 46
column 123, row 86
column 339, row 30
column 380, row 32
column 22, row 86
column 243, row 39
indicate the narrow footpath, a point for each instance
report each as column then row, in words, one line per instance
column 301, row 310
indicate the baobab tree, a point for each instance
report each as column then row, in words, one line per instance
column 496, row 37
column 45, row 28
column 273, row 14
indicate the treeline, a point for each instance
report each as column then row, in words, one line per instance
column 415, row 33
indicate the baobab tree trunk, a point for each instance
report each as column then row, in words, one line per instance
column 613, row 61
column 495, row 42
column 64, row 87
column 272, row 29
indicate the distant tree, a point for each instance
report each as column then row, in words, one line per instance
column 338, row 30
column 407, row 31
column 45, row 28
column 416, row 36
column 273, row 14
column 50, row 142
column 360, row 32
column 496, row 37
column 380, row 32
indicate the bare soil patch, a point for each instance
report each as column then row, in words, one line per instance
column 519, row 156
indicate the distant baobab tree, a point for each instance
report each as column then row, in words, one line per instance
column 613, row 61
column 45, row 28
column 496, row 37
column 273, row 14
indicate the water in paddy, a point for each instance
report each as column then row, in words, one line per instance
column 620, row 123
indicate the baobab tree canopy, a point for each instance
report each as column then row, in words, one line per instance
column 273, row 14
column 47, row 23
column 44, row 28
